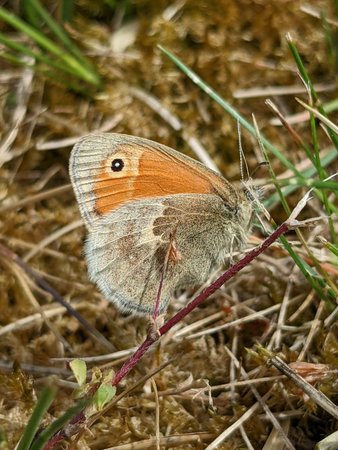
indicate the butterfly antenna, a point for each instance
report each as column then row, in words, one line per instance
column 252, row 193
column 242, row 160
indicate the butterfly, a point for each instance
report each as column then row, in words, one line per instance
column 157, row 220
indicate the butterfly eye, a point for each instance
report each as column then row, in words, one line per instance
column 117, row 165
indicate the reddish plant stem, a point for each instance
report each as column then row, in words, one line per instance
column 229, row 273
column 151, row 338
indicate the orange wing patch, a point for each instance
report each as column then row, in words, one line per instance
column 147, row 173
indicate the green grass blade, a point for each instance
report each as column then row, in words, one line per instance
column 57, row 424
column 30, row 14
column 308, row 82
column 40, row 410
column 58, row 78
column 14, row 45
column 230, row 110
column 320, row 284
column 58, row 31
column 322, row 175
column 67, row 10
column 47, row 44
column 326, row 160
column 310, row 184
column 315, row 281
column 16, row 60
column 332, row 248
column 317, row 162
column 329, row 37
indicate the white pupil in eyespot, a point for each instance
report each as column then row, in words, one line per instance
column 117, row 165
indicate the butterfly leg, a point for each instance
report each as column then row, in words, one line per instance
column 172, row 255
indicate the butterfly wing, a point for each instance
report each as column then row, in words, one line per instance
column 108, row 170
column 177, row 238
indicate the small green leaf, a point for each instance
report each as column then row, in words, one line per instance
column 79, row 369
column 103, row 395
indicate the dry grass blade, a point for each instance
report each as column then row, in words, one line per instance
column 177, row 125
column 171, row 441
column 35, row 198
column 235, row 426
column 277, row 337
column 274, row 440
column 51, row 238
column 264, row 405
column 33, row 319
column 23, row 93
column 233, row 323
column 268, row 91
column 34, row 369
column 319, row 116
column 314, row 12
column 318, row 397
column 69, row 142
column 315, row 329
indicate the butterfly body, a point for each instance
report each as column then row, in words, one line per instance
column 152, row 214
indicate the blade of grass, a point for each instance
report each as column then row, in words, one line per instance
column 229, row 109
column 333, row 248
column 10, row 43
column 47, row 44
column 52, row 75
column 57, row 424
column 29, row 14
column 273, row 200
column 322, row 175
column 308, row 82
column 319, row 116
column 67, row 10
column 329, row 37
column 311, row 184
column 301, row 143
column 313, row 97
column 59, row 32
column 42, row 405
column 323, row 285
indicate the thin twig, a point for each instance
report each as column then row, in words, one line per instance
column 318, row 397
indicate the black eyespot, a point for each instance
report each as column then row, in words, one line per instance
column 117, row 165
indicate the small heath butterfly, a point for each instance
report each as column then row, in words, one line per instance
column 154, row 217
